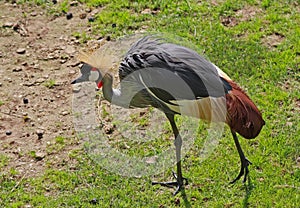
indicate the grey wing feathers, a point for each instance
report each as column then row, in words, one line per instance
column 167, row 66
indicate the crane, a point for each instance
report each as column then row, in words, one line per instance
column 177, row 80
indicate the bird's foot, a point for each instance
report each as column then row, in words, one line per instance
column 244, row 170
column 179, row 183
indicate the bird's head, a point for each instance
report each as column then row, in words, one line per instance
column 89, row 74
column 96, row 64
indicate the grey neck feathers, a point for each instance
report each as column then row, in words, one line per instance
column 112, row 95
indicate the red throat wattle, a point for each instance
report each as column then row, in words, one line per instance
column 100, row 84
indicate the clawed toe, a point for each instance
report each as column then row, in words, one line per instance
column 171, row 184
column 244, row 171
column 179, row 183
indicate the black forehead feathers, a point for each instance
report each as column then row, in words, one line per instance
column 85, row 69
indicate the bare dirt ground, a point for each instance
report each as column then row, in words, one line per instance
column 38, row 62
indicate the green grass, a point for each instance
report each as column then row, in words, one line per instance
column 3, row 160
column 270, row 75
column 57, row 144
column 49, row 83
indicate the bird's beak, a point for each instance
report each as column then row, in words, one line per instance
column 78, row 80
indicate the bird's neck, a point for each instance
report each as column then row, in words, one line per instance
column 112, row 95
column 108, row 91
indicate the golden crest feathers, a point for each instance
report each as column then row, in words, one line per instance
column 101, row 59
column 109, row 54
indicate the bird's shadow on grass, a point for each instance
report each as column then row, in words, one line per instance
column 185, row 198
column 248, row 190
column 248, row 186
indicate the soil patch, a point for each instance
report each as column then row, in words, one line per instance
column 38, row 62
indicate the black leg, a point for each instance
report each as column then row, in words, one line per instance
column 179, row 183
column 244, row 161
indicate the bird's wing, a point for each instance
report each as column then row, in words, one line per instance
column 171, row 71
column 207, row 108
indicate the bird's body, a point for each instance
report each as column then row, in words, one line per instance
column 153, row 63
column 177, row 80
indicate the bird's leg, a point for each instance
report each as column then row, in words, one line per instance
column 244, row 161
column 179, row 183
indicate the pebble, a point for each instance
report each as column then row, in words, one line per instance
column 25, row 134
column 25, row 100
column 21, row 50
column 95, row 11
column 18, row 69
column 16, row 26
column 63, row 61
column 50, row 56
column 76, row 88
column 8, row 79
column 64, row 113
column 29, row 84
column 8, row 24
column 146, row 11
column 70, row 50
column 26, row 119
column 33, row 14
column 8, row 132
column 74, row 3
column 71, row 72
column 36, row 66
column 94, row 201
column 151, row 160
column 40, row 133
column 39, row 156
column 91, row 19
column 46, row 76
column 82, row 16
column 69, row 15
column 177, row 201
column 40, row 80
column 109, row 129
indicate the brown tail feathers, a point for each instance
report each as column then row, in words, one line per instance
column 243, row 116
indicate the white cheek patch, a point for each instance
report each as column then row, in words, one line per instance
column 94, row 75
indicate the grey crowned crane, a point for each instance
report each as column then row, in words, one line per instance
column 153, row 73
